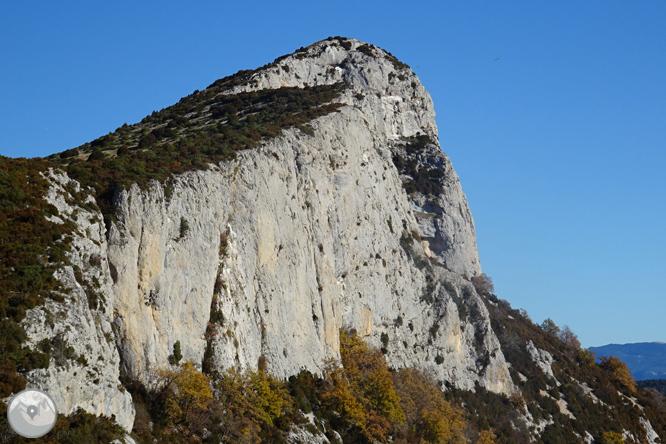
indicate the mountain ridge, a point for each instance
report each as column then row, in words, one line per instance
column 284, row 210
column 646, row 360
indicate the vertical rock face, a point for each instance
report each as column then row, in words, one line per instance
column 295, row 240
column 318, row 234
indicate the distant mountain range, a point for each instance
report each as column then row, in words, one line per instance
column 646, row 360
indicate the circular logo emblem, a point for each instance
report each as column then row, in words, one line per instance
column 32, row 413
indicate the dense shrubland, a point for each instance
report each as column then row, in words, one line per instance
column 79, row 427
column 31, row 249
column 658, row 385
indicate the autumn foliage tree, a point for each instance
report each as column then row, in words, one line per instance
column 251, row 401
column 430, row 417
column 619, row 372
column 612, row 438
column 362, row 389
column 184, row 392
column 571, row 342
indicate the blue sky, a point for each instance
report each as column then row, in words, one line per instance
column 559, row 144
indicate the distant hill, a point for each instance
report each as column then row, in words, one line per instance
column 646, row 360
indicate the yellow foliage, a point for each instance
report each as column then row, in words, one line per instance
column 340, row 397
column 273, row 398
column 188, row 390
column 426, row 409
column 362, row 390
column 250, row 400
column 612, row 437
column 486, row 437
column 242, row 415
column 380, row 403
column 442, row 423
column 369, row 375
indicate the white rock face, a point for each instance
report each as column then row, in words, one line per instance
column 319, row 235
column 89, row 377
column 542, row 359
column 394, row 105
column 650, row 434
column 314, row 227
column 308, row 433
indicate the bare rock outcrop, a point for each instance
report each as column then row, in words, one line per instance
column 273, row 253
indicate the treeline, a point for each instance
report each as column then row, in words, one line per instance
column 358, row 399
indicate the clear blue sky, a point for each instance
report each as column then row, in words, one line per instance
column 560, row 144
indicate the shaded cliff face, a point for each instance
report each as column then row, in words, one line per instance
column 357, row 221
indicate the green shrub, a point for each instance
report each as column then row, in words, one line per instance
column 97, row 154
column 307, row 130
column 385, row 339
column 184, row 227
column 72, row 152
column 365, row 49
column 177, row 355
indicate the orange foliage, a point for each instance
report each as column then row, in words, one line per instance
column 619, row 372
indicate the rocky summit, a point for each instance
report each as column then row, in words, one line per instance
column 256, row 220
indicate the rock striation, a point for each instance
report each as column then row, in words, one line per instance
column 273, row 253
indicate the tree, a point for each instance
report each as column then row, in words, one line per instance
column 549, row 326
column 571, row 342
column 97, row 154
column 251, row 402
column 483, row 284
column 486, row 437
column 619, row 372
column 183, row 391
column 184, row 227
column 177, row 354
column 362, row 390
column 429, row 415
column 368, row 370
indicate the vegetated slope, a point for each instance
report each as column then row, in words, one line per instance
column 646, row 360
column 564, row 394
column 656, row 384
column 342, row 244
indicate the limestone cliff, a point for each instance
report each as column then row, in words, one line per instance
column 357, row 222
